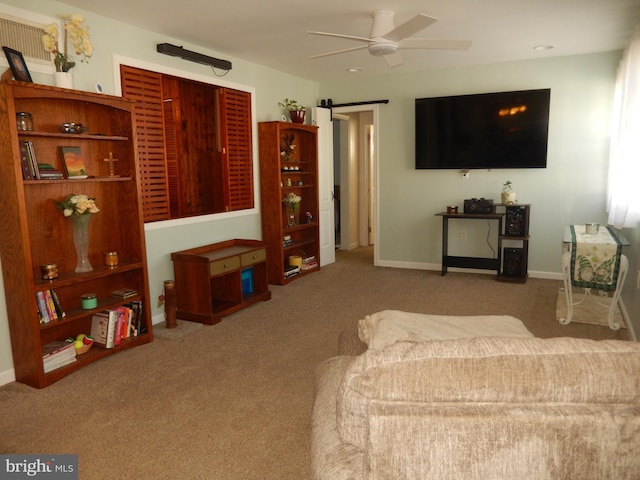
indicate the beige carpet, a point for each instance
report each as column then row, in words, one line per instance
column 233, row 401
column 592, row 308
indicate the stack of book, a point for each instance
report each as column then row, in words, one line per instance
column 57, row 354
column 49, row 308
column 309, row 262
column 110, row 327
column 286, row 240
column 291, row 271
column 48, row 172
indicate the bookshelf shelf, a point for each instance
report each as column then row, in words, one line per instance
column 275, row 176
column 33, row 232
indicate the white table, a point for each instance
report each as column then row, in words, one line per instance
column 566, row 270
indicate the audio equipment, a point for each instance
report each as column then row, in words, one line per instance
column 478, row 205
column 176, row 51
column 516, row 221
column 513, row 262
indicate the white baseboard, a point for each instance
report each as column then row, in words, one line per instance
column 438, row 268
column 7, row 376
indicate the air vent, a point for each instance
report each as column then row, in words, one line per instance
column 23, row 31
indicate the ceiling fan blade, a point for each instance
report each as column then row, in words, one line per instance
column 339, row 35
column 410, row 27
column 393, row 59
column 362, row 47
column 435, row 44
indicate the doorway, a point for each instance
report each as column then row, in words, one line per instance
column 355, row 177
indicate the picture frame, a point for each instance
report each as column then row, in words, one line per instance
column 17, row 64
column 73, row 162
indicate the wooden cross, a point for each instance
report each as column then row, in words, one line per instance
column 111, row 160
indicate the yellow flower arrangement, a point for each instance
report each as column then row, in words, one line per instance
column 77, row 205
column 76, row 33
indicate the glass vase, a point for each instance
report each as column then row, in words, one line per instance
column 80, row 227
column 292, row 215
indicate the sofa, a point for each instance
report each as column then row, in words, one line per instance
column 400, row 403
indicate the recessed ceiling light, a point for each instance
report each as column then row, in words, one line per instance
column 355, row 69
column 542, row 47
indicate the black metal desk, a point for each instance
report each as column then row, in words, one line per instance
column 468, row 262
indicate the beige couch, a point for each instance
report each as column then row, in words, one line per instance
column 478, row 408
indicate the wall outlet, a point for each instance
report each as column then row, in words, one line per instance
column 463, row 234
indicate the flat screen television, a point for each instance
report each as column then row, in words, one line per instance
column 483, row 131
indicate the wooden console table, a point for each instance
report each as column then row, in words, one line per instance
column 216, row 280
column 468, row 262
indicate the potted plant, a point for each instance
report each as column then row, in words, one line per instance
column 296, row 111
column 508, row 196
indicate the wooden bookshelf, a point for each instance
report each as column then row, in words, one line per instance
column 286, row 170
column 33, row 232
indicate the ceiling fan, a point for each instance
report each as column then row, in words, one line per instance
column 386, row 39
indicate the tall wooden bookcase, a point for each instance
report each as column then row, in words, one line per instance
column 289, row 164
column 33, row 232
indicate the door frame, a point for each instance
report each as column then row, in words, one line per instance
column 375, row 182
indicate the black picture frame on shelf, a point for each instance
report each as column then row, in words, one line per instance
column 17, row 64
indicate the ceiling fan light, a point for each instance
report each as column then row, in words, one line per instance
column 383, row 48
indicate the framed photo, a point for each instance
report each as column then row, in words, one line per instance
column 73, row 162
column 18, row 65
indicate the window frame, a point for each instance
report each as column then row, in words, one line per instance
column 219, row 82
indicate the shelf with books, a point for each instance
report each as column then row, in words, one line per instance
column 288, row 165
column 34, row 232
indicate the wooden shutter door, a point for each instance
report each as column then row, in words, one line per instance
column 235, row 116
column 146, row 89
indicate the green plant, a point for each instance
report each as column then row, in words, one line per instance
column 290, row 104
column 506, row 186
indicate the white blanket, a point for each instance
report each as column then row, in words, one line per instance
column 389, row 326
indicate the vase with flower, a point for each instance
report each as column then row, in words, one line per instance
column 292, row 204
column 79, row 210
column 75, row 32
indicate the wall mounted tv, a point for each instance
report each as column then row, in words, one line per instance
column 483, row 131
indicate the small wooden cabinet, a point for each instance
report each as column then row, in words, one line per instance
column 289, row 165
column 216, row 280
column 33, row 232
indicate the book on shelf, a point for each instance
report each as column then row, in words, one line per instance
column 73, row 162
column 49, row 172
column 291, row 271
column 57, row 354
column 309, row 262
column 49, row 307
column 110, row 327
column 124, row 292
column 28, row 161
column 25, row 162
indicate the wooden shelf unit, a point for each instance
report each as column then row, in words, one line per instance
column 33, row 232
column 209, row 279
column 301, row 169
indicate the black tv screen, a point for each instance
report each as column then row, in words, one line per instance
column 489, row 130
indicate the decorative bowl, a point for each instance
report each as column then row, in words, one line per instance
column 72, row 128
column 85, row 348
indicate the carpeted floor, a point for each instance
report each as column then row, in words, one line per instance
column 233, row 401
